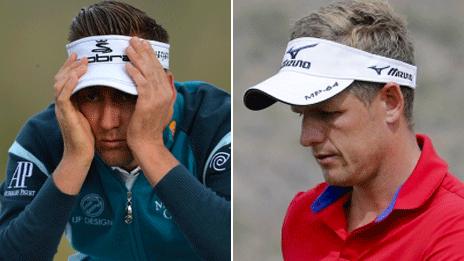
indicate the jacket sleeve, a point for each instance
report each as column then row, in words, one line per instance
column 208, row 224
column 201, row 205
column 33, row 212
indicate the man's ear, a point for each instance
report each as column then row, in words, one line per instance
column 393, row 102
column 170, row 78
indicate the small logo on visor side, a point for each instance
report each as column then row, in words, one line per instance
column 316, row 93
column 395, row 72
column 103, row 48
column 378, row 70
column 294, row 52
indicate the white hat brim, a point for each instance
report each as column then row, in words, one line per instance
column 293, row 88
column 110, row 75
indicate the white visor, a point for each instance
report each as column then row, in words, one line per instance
column 314, row 70
column 107, row 58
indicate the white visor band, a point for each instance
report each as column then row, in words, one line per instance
column 314, row 70
column 107, row 58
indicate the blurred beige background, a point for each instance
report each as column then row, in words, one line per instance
column 269, row 164
column 33, row 35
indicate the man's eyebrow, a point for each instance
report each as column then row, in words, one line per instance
column 312, row 107
column 296, row 109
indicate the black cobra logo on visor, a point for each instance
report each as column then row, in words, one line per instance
column 103, row 48
column 105, row 58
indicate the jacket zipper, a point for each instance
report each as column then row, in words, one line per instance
column 128, row 218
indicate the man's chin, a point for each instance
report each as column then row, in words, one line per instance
column 337, row 178
column 117, row 159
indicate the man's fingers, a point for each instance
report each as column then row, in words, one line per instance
column 69, row 87
column 60, row 79
column 134, row 57
column 82, row 68
column 147, row 47
column 143, row 57
column 150, row 53
column 79, row 66
column 138, row 78
column 69, row 63
column 71, row 59
column 63, row 89
column 63, row 98
column 140, row 60
column 139, row 46
column 66, row 68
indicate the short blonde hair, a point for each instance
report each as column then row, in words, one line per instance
column 369, row 25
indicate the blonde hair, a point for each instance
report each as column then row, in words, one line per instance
column 369, row 25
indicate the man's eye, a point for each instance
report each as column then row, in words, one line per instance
column 297, row 111
column 124, row 97
column 91, row 97
column 328, row 114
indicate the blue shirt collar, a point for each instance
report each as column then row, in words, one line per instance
column 333, row 193
column 329, row 196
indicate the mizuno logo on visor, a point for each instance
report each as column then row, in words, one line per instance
column 378, row 70
column 293, row 53
column 297, row 63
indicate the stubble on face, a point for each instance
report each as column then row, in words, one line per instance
column 121, row 157
column 351, row 150
column 108, row 112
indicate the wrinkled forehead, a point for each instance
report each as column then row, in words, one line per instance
column 331, row 103
column 102, row 90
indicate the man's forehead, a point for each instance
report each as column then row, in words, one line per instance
column 317, row 106
column 334, row 101
column 102, row 89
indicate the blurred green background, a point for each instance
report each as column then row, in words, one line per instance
column 270, row 166
column 33, row 35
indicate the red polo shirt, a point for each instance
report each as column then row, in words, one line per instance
column 425, row 220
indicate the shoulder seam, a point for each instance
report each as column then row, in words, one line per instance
column 20, row 151
column 452, row 192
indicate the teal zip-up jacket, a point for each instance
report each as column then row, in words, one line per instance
column 186, row 216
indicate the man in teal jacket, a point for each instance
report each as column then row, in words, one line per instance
column 130, row 164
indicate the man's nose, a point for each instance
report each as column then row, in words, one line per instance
column 110, row 117
column 313, row 131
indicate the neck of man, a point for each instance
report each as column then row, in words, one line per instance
column 130, row 166
column 371, row 198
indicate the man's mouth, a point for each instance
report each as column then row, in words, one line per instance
column 112, row 143
column 325, row 158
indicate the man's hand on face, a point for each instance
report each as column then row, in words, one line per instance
column 77, row 135
column 153, row 111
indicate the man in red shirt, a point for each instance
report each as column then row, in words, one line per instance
column 348, row 71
